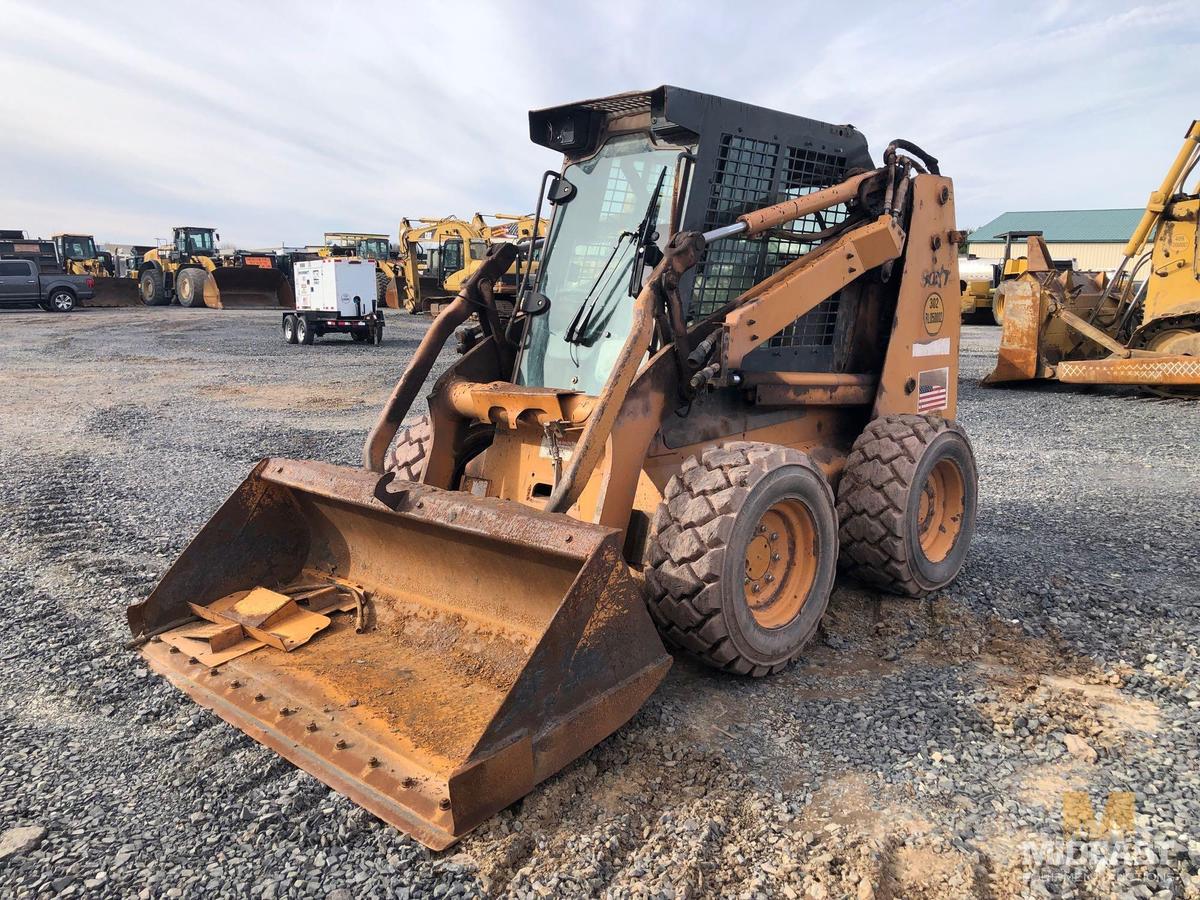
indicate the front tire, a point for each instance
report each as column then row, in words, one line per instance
column 289, row 329
column 60, row 300
column 743, row 556
column 189, row 287
column 152, row 289
column 907, row 502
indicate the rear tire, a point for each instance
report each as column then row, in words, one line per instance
column 907, row 502
column 289, row 329
column 304, row 333
column 998, row 308
column 743, row 556
column 152, row 289
column 60, row 300
column 189, row 287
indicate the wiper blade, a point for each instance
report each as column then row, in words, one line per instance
column 646, row 233
column 583, row 315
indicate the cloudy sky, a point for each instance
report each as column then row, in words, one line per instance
column 278, row 121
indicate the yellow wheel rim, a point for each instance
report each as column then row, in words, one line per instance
column 781, row 563
column 940, row 510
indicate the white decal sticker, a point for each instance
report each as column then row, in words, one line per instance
column 940, row 347
column 933, row 391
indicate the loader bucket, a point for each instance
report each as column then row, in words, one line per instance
column 248, row 287
column 115, row 292
column 1021, row 338
column 498, row 643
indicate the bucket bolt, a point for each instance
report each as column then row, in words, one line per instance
column 284, row 711
column 444, row 803
column 311, row 727
column 235, row 684
column 341, row 744
column 259, row 698
column 373, row 762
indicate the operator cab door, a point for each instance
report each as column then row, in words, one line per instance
column 450, row 259
column 18, row 281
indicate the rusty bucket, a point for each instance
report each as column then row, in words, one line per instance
column 484, row 646
column 248, row 287
column 114, row 292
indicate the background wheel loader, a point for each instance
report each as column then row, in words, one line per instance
column 705, row 402
column 190, row 272
column 1141, row 327
column 79, row 256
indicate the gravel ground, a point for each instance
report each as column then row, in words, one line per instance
column 921, row 749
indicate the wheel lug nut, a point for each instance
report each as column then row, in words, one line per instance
column 754, row 588
column 770, row 578
column 774, row 557
column 774, row 535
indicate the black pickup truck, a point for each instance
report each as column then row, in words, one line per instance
column 21, row 284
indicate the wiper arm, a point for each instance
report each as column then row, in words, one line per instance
column 646, row 234
column 584, row 314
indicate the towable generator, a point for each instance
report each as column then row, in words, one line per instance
column 736, row 367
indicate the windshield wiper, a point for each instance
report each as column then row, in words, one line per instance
column 586, row 307
column 642, row 239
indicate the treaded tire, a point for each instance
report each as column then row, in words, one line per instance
column 879, row 498
column 289, row 329
column 406, row 456
column 151, row 288
column 697, row 555
column 189, row 287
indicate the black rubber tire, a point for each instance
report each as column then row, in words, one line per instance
column 879, row 497
column 289, row 329
column 189, row 287
column 60, row 300
column 304, row 332
column 359, row 336
column 406, row 456
column 151, row 288
column 377, row 334
column 410, row 447
column 697, row 550
column 381, row 286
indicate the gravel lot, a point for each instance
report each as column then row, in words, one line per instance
column 922, row 749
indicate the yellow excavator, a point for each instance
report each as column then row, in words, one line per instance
column 78, row 255
column 437, row 256
column 1141, row 327
column 191, row 272
column 717, row 390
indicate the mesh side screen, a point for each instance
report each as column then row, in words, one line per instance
column 751, row 174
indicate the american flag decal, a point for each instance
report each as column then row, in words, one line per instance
column 933, row 392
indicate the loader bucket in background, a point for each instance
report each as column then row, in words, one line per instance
column 391, row 296
column 1020, row 341
column 500, row 642
column 248, row 287
column 115, row 292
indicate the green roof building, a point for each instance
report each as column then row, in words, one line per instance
column 1093, row 238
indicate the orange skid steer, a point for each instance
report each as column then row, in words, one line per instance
column 732, row 371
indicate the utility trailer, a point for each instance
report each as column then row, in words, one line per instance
column 335, row 295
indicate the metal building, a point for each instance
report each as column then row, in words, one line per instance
column 1094, row 238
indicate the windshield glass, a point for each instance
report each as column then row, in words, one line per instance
column 586, row 271
column 79, row 248
column 374, row 248
column 198, row 241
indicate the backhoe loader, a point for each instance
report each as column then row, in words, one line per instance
column 79, row 256
column 191, row 272
column 1141, row 327
column 735, row 369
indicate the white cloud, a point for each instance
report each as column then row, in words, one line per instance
column 275, row 122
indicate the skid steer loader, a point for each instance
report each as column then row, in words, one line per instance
column 190, row 272
column 704, row 400
column 1141, row 327
column 79, row 256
